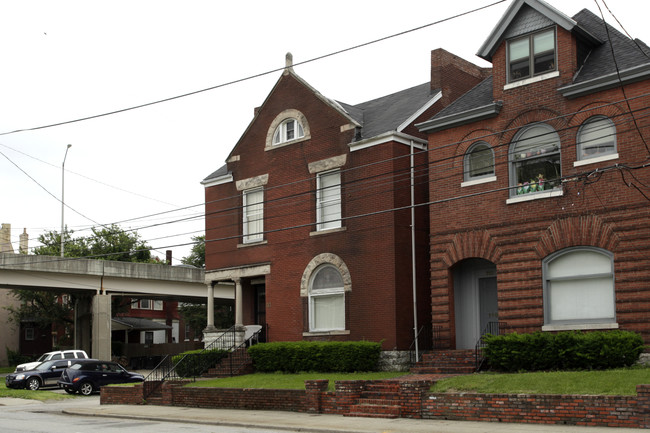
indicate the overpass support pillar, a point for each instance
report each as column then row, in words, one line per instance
column 101, row 347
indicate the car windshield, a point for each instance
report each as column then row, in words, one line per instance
column 42, row 358
column 44, row 366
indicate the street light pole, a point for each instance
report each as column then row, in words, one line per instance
column 62, row 195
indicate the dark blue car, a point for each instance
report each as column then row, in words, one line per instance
column 45, row 374
column 89, row 375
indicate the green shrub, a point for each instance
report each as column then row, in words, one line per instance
column 15, row 358
column 302, row 356
column 195, row 362
column 563, row 351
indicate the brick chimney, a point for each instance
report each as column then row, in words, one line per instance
column 5, row 239
column 454, row 75
column 23, row 242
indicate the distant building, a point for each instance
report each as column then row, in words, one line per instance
column 9, row 338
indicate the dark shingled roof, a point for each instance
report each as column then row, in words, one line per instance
column 385, row 114
column 479, row 96
column 378, row 116
column 222, row 171
column 600, row 62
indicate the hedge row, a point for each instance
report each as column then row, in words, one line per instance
column 299, row 356
column 563, row 351
column 195, row 362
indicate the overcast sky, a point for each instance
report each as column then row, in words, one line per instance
column 66, row 60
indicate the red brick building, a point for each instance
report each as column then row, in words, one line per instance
column 310, row 218
column 540, row 214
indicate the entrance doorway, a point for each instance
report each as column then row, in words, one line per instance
column 475, row 300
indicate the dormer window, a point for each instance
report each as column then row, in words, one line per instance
column 288, row 130
column 531, row 55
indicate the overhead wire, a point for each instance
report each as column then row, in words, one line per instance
column 276, row 71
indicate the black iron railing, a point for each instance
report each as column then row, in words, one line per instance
column 428, row 337
column 492, row 328
column 194, row 366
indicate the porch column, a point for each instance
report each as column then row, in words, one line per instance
column 210, row 326
column 239, row 308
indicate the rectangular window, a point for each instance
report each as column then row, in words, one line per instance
column 29, row 334
column 187, row 332
column 521, row 64
column 158, row 305
column 328, row 200
column 253, row 203
column 148, row 337
column 145, row 304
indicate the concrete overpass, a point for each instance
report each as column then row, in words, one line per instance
column 101, row 279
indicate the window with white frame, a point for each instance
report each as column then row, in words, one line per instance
column 579, row 287
column 29, row 334
column 145, row 304
column 535, row 160
column 479, row 161
column 253, row 210
column 288, row 130
column 328, row 200
column 531, row 55
column 326, row 300
column 596, row 137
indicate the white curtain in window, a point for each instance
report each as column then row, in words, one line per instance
column 328, row 200
column 253, row 215
column 328, row 312
column 580, row 287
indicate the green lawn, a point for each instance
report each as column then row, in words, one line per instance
column 289, row 381
column 609, row 382
column 4, row 370
column 42, row 395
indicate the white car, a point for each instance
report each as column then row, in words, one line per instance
column 58, row 354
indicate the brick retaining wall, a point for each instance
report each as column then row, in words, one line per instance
column 415, row 400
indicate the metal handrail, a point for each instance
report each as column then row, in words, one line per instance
column 492, row 328
column 166, row 370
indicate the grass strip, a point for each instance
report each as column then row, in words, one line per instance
column 289, row 381
column 603, row 382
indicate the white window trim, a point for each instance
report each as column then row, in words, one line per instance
column 603, row 158
column 478, row 181
column 320, row 204
column 578, row 324
column 535, row 196
column 248, row 238
column 532, row 80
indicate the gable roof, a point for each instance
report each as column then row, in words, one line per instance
column 600, row 70
column 512, row 16
column 390, row 113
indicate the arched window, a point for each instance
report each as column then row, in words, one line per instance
column 288, row 130
column 579, row 287
column 326, row 299
column 535, row 160
column 596, row 137
column 479, row 161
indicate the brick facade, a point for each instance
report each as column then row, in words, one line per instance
column 413, row 400
column 374, row 241
column 601, row 204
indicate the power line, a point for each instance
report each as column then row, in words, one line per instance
column 258, row 75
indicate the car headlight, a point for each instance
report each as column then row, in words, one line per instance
column 20, row 377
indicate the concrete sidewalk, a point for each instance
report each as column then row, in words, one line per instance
column 294, row 421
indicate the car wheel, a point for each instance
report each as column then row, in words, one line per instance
column 69, row 390
column 86, row 388
column 33, row 383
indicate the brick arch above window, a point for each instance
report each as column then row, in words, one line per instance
column 586, row 230
column 487, row 135
column 325, row 258
column 474, row 244
column 285, row 115
column 529, row 117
